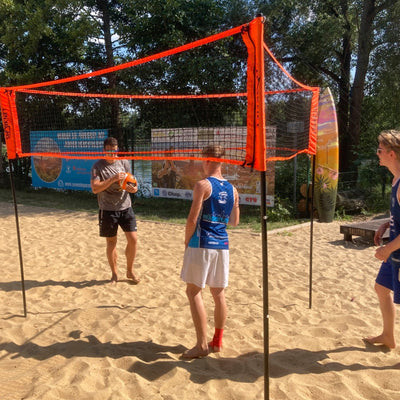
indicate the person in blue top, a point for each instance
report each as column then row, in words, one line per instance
column 206, row 260
column 388, row 277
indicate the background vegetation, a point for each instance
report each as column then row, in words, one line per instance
column 352, row 46
column 152, row 209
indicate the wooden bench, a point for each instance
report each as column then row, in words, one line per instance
column 365, row 229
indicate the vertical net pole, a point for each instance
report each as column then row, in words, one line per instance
column 311, row 234
column 13, row 142
column 295, row 185
column 256, row 153
column 265, row 281
column 21, row 264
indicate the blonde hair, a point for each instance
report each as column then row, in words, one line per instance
column 213, row 151
column 391, row 139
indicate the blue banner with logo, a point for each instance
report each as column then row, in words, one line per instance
column 59, row 173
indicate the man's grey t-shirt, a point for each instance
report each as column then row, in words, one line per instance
column 113, row 198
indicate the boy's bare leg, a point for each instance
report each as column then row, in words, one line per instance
column 199, row 317
column 388, row 315
column 220, row 313
column 130, row 253
column 112, row 257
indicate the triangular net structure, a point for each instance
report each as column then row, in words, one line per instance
column 225, row 89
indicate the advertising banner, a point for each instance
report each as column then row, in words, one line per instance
column 58, row 173
column 176, row 179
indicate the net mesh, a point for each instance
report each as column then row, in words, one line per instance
column 169, row 106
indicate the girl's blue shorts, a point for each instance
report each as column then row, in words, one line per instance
column 388, row 276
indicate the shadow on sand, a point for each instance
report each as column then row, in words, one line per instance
column 156, row 360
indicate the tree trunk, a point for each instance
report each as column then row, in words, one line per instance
column 365, row 43
column 344, row 89
column 357, row 92
column 103, row 7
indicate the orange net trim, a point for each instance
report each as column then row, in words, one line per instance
column 135, row 96
column 313, row 130
column 155, row 97
column 297, row 152
column 286, row 72
column 144, row 60
column 134, row 156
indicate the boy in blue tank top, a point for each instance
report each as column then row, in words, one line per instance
column 388, row 277
column 206, row 261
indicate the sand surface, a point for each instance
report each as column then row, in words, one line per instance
column 84, row 338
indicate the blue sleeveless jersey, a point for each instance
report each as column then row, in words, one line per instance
column 210, row 231
column 395, row 218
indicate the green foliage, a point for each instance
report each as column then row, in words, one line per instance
column 382, row 100
column 279, row 212
column 285, row 233
column 287, row 174
column 340, row 215
column 330, row 44
column 308, row 35
column 41, row 40
column 45, row 40
column 371, row 174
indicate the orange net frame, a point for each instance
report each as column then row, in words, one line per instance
column 225, row 89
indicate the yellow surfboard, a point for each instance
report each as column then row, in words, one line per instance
column 326, row 158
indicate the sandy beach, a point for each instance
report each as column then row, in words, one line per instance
column 84, row 338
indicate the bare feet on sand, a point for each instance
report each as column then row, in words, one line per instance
column 132, row 277
column 195, row 352
column 381, row 339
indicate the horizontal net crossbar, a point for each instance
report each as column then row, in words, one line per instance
column 135, row 96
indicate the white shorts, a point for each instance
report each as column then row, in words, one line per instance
column 206, row 266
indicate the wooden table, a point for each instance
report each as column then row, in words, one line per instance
column 365, row 229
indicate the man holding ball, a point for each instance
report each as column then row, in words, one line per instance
column 115, row 207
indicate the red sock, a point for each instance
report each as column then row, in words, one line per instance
column 217, row 339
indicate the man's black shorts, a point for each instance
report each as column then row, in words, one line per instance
column 110, row 220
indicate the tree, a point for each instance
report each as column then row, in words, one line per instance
column 330, row 43
column 106, row 10
column 41, row 40
column 382, row 94
column 147, row 28
column 368, row 26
